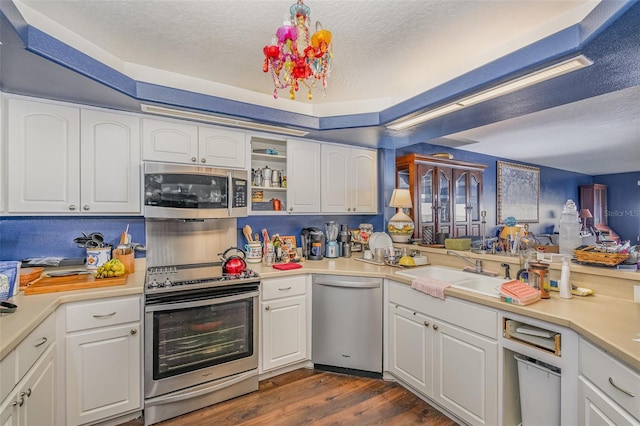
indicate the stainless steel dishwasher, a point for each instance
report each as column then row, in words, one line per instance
column 347, row 322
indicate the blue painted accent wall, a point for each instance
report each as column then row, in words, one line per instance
column 623, row 204
column 24, row 237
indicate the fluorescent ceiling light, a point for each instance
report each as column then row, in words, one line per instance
column 208, row 118
column 429, row 115
column 529, row 80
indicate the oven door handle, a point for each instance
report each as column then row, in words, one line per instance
column 201, row 390
column 196, row 303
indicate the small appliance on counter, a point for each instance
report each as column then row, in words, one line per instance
column 344, row 241
column 332, row 248
column 313, row 241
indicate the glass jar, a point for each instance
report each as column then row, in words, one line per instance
column 365, row 231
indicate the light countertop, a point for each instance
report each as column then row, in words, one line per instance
column 610, row 322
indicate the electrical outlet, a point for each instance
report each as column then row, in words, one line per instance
column 636, row 293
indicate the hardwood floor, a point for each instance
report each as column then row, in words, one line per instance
column 313, row 397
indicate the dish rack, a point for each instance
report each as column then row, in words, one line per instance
column 590, row 255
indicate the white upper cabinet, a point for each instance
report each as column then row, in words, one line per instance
column 169, row 141
column 222, row 147
column 110, row 162
column 62, row 159
column 349, row 180
column 303, row 180
column 176, row 142
column 43, row 157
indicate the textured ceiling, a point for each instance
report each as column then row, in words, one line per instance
column 384, row 51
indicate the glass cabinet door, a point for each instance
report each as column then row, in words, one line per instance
column 444, row 197
column 426, row 195
column 474, row 198
column 460, row 205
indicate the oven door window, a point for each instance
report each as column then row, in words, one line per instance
column 186, row 191
column 190, row 339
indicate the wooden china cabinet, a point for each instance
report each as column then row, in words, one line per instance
column 446, row 195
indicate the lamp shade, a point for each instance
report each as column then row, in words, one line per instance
column 585, row 214
column 401, row 198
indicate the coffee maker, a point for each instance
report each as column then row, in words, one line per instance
column 312, row 240
column 332, row 249
column 344, row 241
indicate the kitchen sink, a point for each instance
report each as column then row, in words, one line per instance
column 469, row 281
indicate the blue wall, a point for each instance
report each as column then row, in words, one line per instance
column 623, row 204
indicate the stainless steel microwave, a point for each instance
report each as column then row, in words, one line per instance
column 174, row 191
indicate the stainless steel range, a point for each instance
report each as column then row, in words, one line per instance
column 201, row 326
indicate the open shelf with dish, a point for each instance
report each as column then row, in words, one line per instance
column 268, row 176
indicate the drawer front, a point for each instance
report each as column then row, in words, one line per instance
column 30, row 349
column 284, row 287
column 461, row 313
column 615, row 379
column 101, row 313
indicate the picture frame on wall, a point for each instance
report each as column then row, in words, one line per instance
column 518, row 192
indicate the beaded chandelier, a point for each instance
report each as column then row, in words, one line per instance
column 294, row 57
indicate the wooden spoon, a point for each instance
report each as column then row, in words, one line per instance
column 247, row 231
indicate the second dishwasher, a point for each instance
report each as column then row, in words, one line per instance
column 347, row 322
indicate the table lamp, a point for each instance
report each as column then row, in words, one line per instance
column 400, row 226
column 584, row 215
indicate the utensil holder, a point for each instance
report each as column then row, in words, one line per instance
column 126, row 257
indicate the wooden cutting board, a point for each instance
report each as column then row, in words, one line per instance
column 46, row 284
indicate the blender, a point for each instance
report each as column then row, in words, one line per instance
column 332, row 247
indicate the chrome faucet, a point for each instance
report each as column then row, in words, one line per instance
column 477, row 266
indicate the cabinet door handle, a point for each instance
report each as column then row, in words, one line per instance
column 266, row 308
column 105, row 315
column 203, row 160
column 42, row 342
column 426, row 323
column 72, row 207
column 631, row 394
column 19, row 403
column 285, row 289
column 133, row 332
column 28, row 392
column 194, row 159
column 290, row 209
column 86, row 207
column 435, row 326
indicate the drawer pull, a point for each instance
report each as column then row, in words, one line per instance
column 28, row 392
column 19, row 403
column 285, row 289
column 435, row 326
column 631, row 394
column 426, row 323
column 42, row 342
column 104, row 316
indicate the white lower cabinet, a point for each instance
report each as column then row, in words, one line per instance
column 31, row 375
column 103, row 359
column 284, row 322
column 33, row 402
column 608, row 390
column 457, row 367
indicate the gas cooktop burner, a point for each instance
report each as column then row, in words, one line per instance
column 172, row 278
